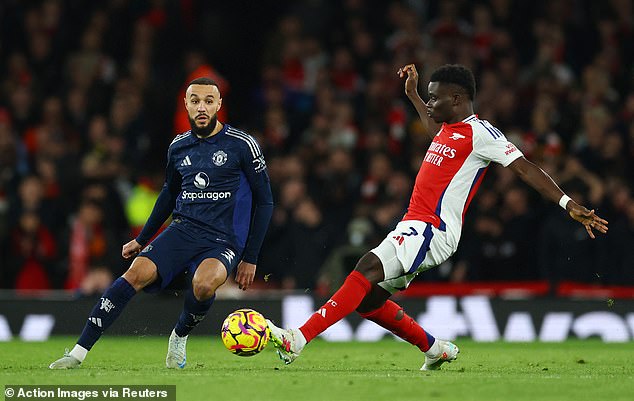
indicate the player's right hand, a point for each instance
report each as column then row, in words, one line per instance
column 411, row 83
column 131, row 249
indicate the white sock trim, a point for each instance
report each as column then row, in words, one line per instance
column 79, row 352
column 176, row 335
column 301, row 338
column 434, row 350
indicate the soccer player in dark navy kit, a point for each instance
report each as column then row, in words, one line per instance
column 217, row 190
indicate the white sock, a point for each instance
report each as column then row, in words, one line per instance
column 302, row 339
column 434, row 350
column 79, row 352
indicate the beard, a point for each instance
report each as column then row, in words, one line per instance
column 206, row 130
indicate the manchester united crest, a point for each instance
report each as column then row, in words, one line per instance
column 219, row 158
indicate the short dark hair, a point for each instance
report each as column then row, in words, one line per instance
column 204, row 81
column 456, row 74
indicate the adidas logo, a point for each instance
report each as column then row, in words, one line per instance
column 228, row 254
column 186, row 161
column 96, row 320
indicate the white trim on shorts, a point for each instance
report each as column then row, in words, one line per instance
column 412, row 247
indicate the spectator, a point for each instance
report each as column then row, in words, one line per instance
column 566, row 253
column 32, row 255
column 309, row 243
column 93, row 250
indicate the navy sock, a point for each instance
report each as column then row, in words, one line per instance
column 193, row 312
column 106, row 311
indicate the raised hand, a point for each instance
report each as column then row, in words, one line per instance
column 587, row 217
column 411, row 83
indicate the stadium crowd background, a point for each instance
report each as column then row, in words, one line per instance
column 90, row 97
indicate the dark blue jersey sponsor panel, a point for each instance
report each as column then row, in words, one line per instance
column 220, row 187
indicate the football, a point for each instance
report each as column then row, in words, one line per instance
column 245, row 332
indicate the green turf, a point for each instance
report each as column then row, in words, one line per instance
column 387, row 370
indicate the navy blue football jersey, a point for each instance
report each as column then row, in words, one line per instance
column 218, row 185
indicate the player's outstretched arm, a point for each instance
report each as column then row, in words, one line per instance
column 544, row 184
column 411, row 90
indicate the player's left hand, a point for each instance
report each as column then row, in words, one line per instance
column 587, row 217
column 245, row 275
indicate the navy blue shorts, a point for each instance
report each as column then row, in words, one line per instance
column 181, row 247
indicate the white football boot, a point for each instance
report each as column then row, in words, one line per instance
column 289, row 343
column 66, row 362
column 176, row 351
column 445, row 351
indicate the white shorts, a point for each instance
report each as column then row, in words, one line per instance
column 412, row 247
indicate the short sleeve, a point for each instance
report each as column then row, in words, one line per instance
column 489, row 143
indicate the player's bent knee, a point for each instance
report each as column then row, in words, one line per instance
column 370, row 266
column 141, row 273
column 210, row 275
column 203, row 291
column 206, row 288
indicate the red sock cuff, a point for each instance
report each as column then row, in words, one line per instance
column 360, row 278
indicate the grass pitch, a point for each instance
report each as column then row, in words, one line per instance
column 387, row 370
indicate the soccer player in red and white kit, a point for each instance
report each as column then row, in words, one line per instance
column 449, row 176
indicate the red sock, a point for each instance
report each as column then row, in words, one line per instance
column 406, row 327
column 340, row 305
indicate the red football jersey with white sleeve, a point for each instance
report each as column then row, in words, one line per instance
column 452, row 171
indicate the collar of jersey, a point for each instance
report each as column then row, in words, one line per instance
column 467, row 119
column 471, row 117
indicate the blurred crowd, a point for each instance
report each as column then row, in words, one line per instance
column 90, row 97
